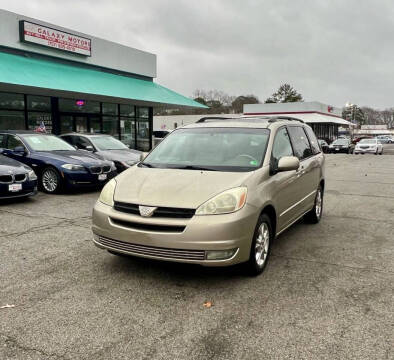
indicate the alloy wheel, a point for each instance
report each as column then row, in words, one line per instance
column 262, row 244
column 50, row 180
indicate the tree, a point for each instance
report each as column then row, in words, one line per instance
column 240, row 101
column 354, row 114
column 286, row 93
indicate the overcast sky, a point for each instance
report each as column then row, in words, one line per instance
column 331, row 51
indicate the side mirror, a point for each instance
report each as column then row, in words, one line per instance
column 89, row 148
column 288, row 163
column 19, row 150
column 143, row 156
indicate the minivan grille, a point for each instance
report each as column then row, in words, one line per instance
column 168, row 253
column 163, row 212
column 149, row 227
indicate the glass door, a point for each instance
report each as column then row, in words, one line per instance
column 81, row 124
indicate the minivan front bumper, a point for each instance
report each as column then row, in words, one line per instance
column 192, row 240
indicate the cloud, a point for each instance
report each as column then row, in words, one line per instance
column 332, row 51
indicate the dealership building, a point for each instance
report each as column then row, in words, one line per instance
column 69, row 81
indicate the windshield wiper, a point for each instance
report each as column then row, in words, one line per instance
column 147, row 165
column 194, row 167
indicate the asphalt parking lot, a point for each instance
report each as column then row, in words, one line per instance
column 327, row 293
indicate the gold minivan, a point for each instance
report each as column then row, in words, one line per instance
column 214, row 193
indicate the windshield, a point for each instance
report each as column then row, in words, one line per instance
column 107, row 143
column 341, row 142
column 367, row 141
column 217, row 149
column 47, row 143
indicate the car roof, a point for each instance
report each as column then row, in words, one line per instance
column 24, row 132
column 84, row 134
column 262, row 122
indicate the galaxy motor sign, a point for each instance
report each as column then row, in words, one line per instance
column 56, row 39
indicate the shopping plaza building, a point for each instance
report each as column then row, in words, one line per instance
column 69, row 81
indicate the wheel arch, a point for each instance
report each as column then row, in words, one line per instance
column 271, row 212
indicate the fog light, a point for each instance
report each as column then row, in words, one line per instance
column 220, row 254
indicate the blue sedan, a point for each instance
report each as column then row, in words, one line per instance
column 16, row 179
column 58, row 165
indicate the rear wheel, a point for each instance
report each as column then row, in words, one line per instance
column 315, row 214
column 50, row 181
column 261, row 246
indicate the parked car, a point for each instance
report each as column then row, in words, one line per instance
column 341, row 146
column 323, row 145
column 214, row 193
column 386, row 139
column 359, row 138
column 105, row 147
column 373, row 146
column 16, row 179
column 57, row 164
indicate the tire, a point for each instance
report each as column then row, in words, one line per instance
column 51, row 181
column 314, row 216
column 381, row 153
column 261, row 246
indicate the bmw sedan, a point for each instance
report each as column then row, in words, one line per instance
column 105, row 147
column 16, row 179
column 58, row 165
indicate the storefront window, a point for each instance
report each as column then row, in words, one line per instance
column 110, row 125
column 12, row 101
column 127, row 132
column 143, row 142
column 81, row 106
column 143, row 112
column 66, row 124
column 127, row 110
column 110, row 109
column 35, row 119
column 41, row 103
column 12, row 120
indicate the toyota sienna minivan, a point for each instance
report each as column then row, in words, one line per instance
column 214, row 193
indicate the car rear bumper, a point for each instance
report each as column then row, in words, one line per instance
column 191, row 241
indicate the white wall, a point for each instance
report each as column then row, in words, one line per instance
column 104, row 53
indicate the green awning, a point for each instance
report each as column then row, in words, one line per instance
column 52, row 75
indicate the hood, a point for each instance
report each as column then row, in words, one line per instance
column 71, row 156
column 174, row 187
column 119, row 155
column 8, row 166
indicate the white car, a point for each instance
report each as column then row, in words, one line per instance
column 373, row 146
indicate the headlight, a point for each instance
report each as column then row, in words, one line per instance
column 73, row 167
column 32, row 175
column 107, row 194
column 227, row 202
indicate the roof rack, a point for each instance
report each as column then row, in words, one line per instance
column 204, row 119
column 278, row 118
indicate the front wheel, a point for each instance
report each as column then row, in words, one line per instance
column 261, row 246
column 51, row 181
column 315, row 214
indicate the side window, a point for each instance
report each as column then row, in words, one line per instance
column 313, row 140
column 81, row 142
column 68, row 139
column 302, row 148
column 282, row 146
column 13, row 142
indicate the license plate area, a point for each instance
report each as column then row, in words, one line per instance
column 15, row 187
column 102, row 177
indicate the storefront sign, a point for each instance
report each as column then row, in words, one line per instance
column 42, row 35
